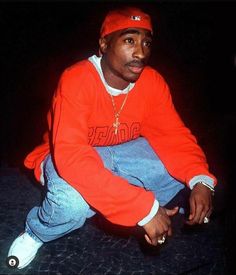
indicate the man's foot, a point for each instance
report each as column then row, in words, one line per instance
column 22, row 251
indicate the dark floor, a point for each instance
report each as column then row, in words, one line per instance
column 91, row 250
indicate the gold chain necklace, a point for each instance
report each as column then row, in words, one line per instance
column 116, row 123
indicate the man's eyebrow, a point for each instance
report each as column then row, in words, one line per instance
column 134, row 31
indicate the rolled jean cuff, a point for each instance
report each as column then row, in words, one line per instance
column 32, row 235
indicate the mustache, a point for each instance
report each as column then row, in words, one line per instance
column 137, row 63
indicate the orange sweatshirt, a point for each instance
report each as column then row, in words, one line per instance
column 82, row 116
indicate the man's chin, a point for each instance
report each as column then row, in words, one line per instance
column 133, row 78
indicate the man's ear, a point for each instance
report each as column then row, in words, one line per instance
column 102, row 45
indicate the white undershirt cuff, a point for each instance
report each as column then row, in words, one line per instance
column 201, row 178
column 151, row 214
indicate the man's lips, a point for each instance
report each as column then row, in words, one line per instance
column 136, row 69
column 136, row 66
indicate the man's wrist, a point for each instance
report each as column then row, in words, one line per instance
column 207, row 185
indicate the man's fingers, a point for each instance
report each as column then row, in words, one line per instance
column 209, row 212
column 155, row 241
column 169, row 233
column 148, row 240
column 206, row 212
column 151, row 241
column 197, row 215
column 202, row 216
column 192, row 210
column 172, row 212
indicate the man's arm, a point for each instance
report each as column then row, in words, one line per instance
column 180, row 153
column 173, row 142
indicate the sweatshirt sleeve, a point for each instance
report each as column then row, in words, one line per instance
column 170, row 138
column 80, row 165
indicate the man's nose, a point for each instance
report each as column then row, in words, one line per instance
column 138, row 51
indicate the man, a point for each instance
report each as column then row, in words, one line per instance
column 115, row 146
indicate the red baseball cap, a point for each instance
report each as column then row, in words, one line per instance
column 129, row 17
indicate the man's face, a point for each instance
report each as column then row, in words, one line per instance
column 125, row 53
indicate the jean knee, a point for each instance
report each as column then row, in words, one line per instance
column 62, row 202
column 68, row 205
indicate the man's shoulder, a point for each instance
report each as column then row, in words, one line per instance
column 80, row 67
column 152, row 74
column 80, row 74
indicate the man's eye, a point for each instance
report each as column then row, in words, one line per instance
column 148, row 44
column 129, row 40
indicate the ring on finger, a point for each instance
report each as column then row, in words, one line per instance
column 206, row 220
column 162, row 240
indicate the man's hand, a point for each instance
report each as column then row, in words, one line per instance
column 200, row 204
column 160, row 225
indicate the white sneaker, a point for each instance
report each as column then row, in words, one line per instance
column 22, row 251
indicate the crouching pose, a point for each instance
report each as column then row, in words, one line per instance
column 115, row 146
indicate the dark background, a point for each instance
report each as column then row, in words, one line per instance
column 194, row 50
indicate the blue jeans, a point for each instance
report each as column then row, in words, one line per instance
column 64, row 209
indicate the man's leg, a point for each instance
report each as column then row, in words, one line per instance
column 137, row 162
column 62, row 211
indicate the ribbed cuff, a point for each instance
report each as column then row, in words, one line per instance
column 151, row 214
column 208, row 180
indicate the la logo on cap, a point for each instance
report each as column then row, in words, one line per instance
column 135, row 17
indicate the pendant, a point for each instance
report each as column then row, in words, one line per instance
column 116, row 125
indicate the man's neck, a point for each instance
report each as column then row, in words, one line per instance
column 96, row 61
column 112, row 79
